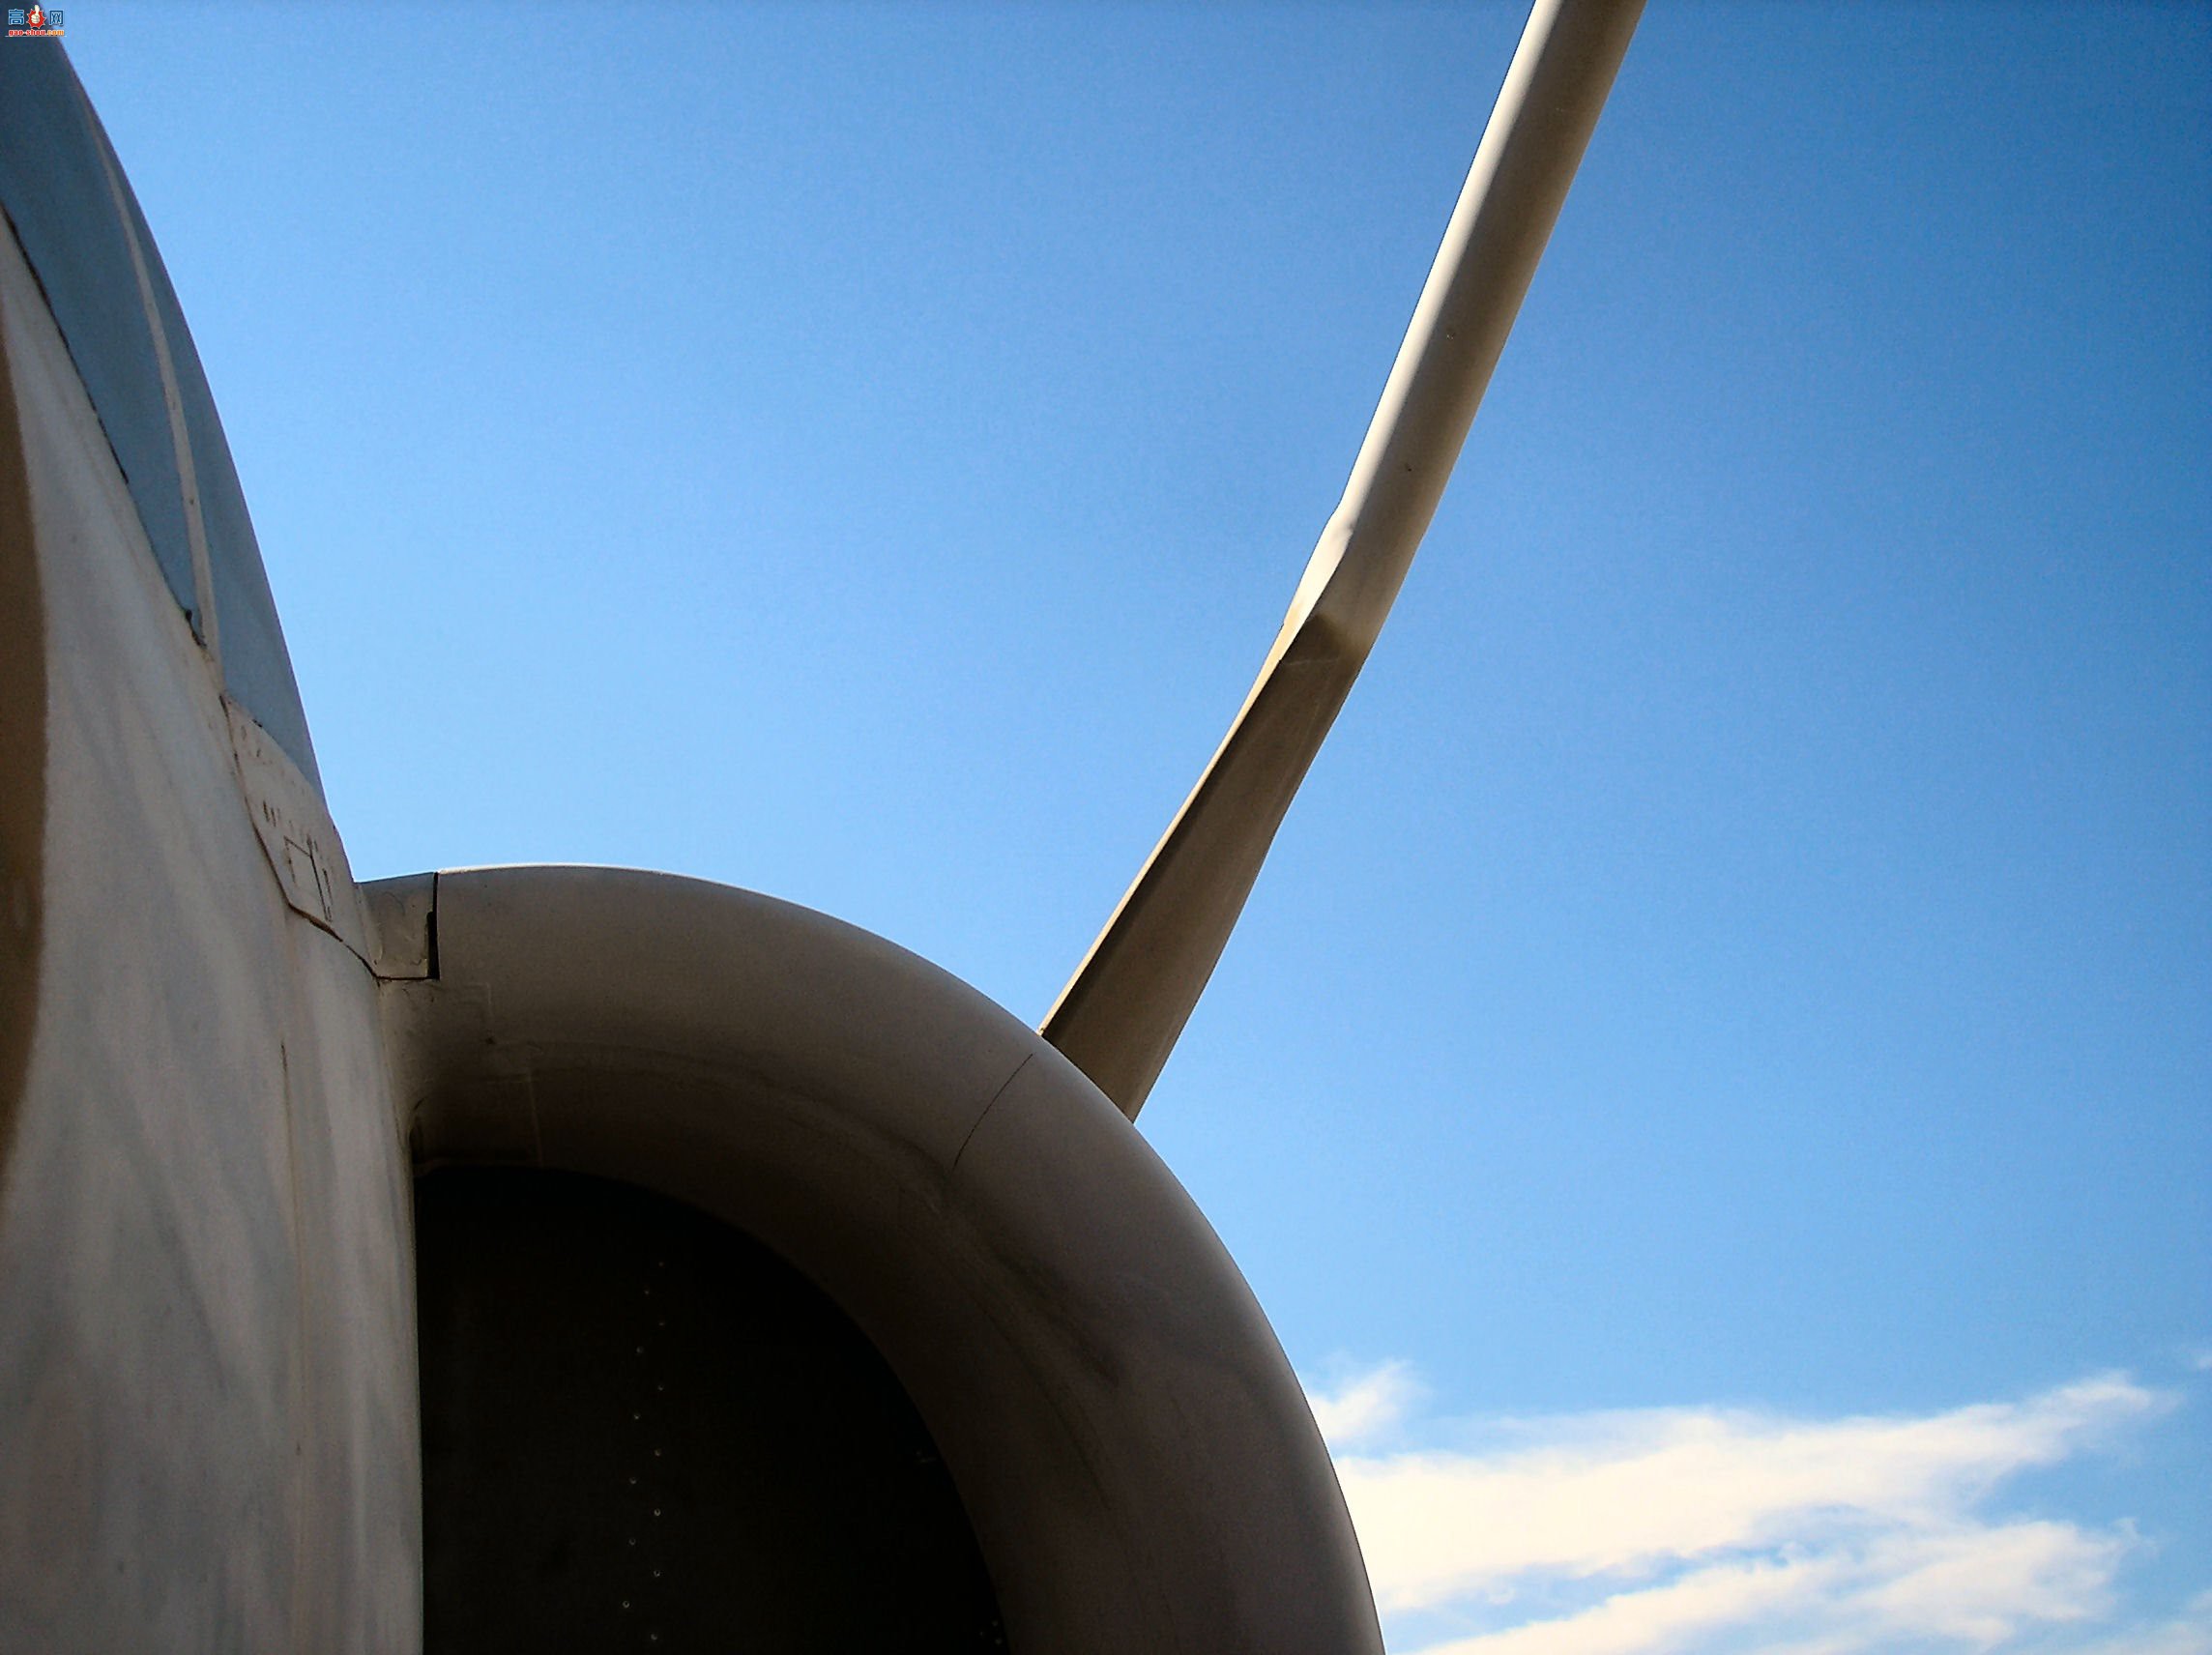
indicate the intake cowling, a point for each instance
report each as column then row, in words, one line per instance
column 1123, row 1438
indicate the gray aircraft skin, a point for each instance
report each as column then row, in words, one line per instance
column 574, row 1258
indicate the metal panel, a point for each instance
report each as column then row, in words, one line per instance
column 55, row 171
column 1140, row 1468
column 54, row 187
column 208, row 1413
column 256, row 666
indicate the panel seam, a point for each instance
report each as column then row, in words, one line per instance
column 986, row 1110
column 187, row 475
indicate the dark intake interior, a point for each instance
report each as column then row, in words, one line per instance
column 642, row 1430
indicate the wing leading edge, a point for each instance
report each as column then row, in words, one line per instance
column 1124, row 1009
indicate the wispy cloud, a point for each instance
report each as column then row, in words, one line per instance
column 1365, row 1406
column 1656, row 1530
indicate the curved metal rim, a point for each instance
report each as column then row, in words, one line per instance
column 1140, row 1464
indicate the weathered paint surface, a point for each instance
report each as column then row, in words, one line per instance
column 22, row 769
column 207, row 1432
column 1125, row 1432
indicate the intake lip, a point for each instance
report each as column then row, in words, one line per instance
column 1132, row 1447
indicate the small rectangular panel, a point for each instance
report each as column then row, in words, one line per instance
column 297, row 833
column 400, row 914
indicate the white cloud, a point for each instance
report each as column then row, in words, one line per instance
column 1365, row 1406
column 1655, row 1530
column 2189, row 1633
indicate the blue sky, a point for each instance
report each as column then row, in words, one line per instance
column 1740, row 973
